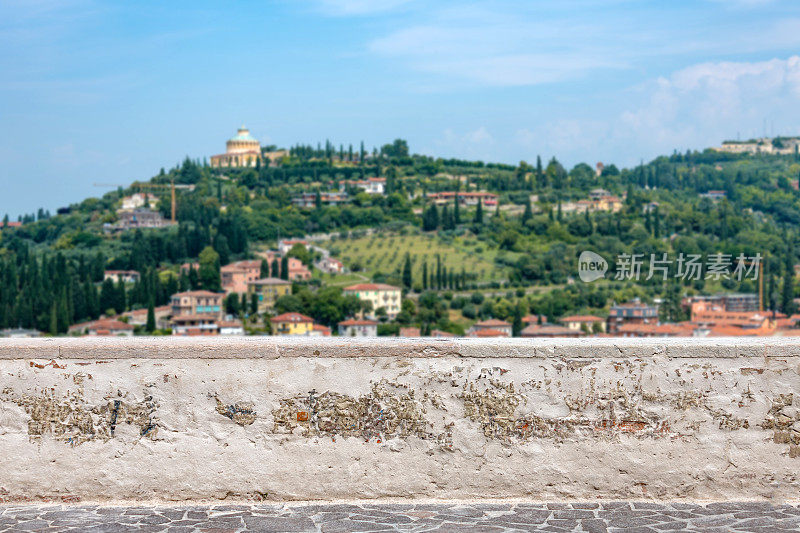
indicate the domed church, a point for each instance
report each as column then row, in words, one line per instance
column 243, row 150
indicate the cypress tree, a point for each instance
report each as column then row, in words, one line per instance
column 407, row 274
column 528, row 213
column 285, row 267
column 479, row 212
column 150, row 327
column 425, row 275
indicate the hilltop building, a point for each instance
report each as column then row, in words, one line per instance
column 236, row 276
column 197, row 303
column 379, row 295
column 763, row 145
column 243, row 150
column 127, row 276
column 267, row 291
column 633, row 312
column 490, row 328
column 358, row 328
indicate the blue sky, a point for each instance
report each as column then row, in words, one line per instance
column 112, row 91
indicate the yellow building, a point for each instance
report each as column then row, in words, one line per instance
column 241, row 151
column 268, row 291
column 379, row 295
column 292, row 324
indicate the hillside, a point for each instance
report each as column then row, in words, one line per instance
column 515, row 236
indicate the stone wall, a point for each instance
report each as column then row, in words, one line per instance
column 268, row 419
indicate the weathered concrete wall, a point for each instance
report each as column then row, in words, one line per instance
column 145, row 419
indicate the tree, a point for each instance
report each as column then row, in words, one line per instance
column 407, row 274
column 479, row 212
column 425, row 275
column 150, row 327
column 430, row 218
column 264, row 269
column 285, row 267
column 787, row 295
column 516, row 325
column 210, row 270
column 528, row 213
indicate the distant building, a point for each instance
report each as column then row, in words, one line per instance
column 488, row 333
column 287, row 244
column 241, row 151
column 490, row 325
column 195, row 325
column 358, row 328
column 309, row 199
column 714, row 195
column 268, row 290
column 763, row 145
column 127, row 276
column 138, row 317
column 292, row 324
column 409, row 332
column 103, row 327
column 297, row 270
column 139, row 200
column 330, row 265
column 236, row 276
column 318, row 330
column 141, row 218
column 369, row 185
column 231, row 328
column 634, row 312
column 549, row 331
column 197, row 303
column 584, row 322
column 464, row 198
column 379, row 295
column 19, row 333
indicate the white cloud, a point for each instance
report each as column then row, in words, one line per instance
column 693, row 108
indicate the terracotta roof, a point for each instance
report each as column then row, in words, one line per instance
column 489, row 333
column 324, row 329
column 269, row 281
column 582, row 318
column 199, row 293
column 190, row 318
column 408, row 332
column 104, row 324
column 291, row 317
column 493, row 322
column 549, row 330
column 534, row 319
column 354, row 322
column 372, row 287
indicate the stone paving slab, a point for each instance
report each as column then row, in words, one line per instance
column 605, row 517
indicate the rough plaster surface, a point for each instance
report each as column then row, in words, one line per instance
column 262, row 419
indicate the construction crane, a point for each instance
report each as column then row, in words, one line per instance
column 137, row 185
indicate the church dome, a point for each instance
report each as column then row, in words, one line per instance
column 243, row 134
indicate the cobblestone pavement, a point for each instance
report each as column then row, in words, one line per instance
column 632, row 517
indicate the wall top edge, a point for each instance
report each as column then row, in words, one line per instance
column 274, row 347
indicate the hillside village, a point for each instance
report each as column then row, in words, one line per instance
column 322, row 241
